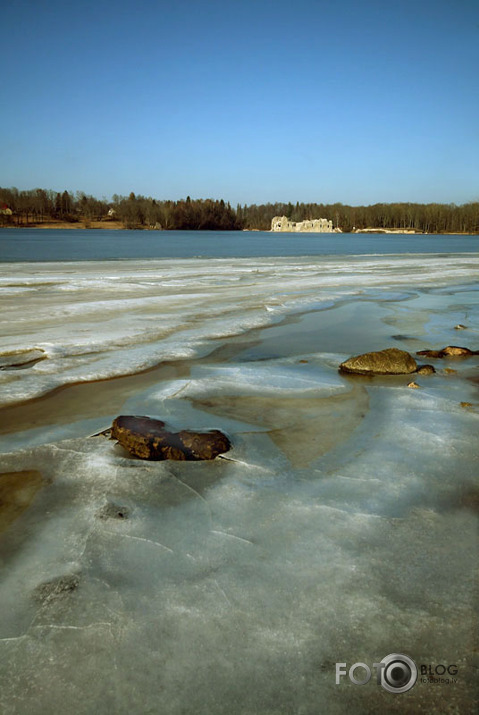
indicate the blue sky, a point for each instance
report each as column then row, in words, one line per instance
column 356, row 101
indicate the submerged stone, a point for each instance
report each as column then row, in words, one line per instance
column 148, row 438
column 58, row 588
column 391, row 361
column 113, row 511
column 430, row 353
column 17, row 491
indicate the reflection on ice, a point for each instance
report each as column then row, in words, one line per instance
column 303, row 427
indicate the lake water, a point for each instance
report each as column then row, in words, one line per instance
column 89, row 245
column 343, row 529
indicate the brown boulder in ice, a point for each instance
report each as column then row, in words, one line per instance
column 148, row 438
column 384, row 362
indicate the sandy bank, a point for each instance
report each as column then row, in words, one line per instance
column 111, row 225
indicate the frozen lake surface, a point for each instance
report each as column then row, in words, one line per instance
column 344, row 529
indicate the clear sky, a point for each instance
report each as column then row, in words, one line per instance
column 356, row 101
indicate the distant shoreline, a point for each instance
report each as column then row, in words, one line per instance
column 108, row 225
column 112, row 225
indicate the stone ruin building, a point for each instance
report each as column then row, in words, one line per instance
column 316, row 225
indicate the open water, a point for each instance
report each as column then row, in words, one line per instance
column 98, row 245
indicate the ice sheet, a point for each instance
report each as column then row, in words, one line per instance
column 101, row 319
column 341, row 527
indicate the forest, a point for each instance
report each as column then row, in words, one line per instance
column 37, row 206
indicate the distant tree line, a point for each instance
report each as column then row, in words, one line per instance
column 187, row 214
column 426, row 218
column 136, row 211
column 38, row 205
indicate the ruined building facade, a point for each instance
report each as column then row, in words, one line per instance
column 316, row 225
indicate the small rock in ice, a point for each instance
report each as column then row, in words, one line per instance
column 448, row 351
column 426, row 370
column 455, row 351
